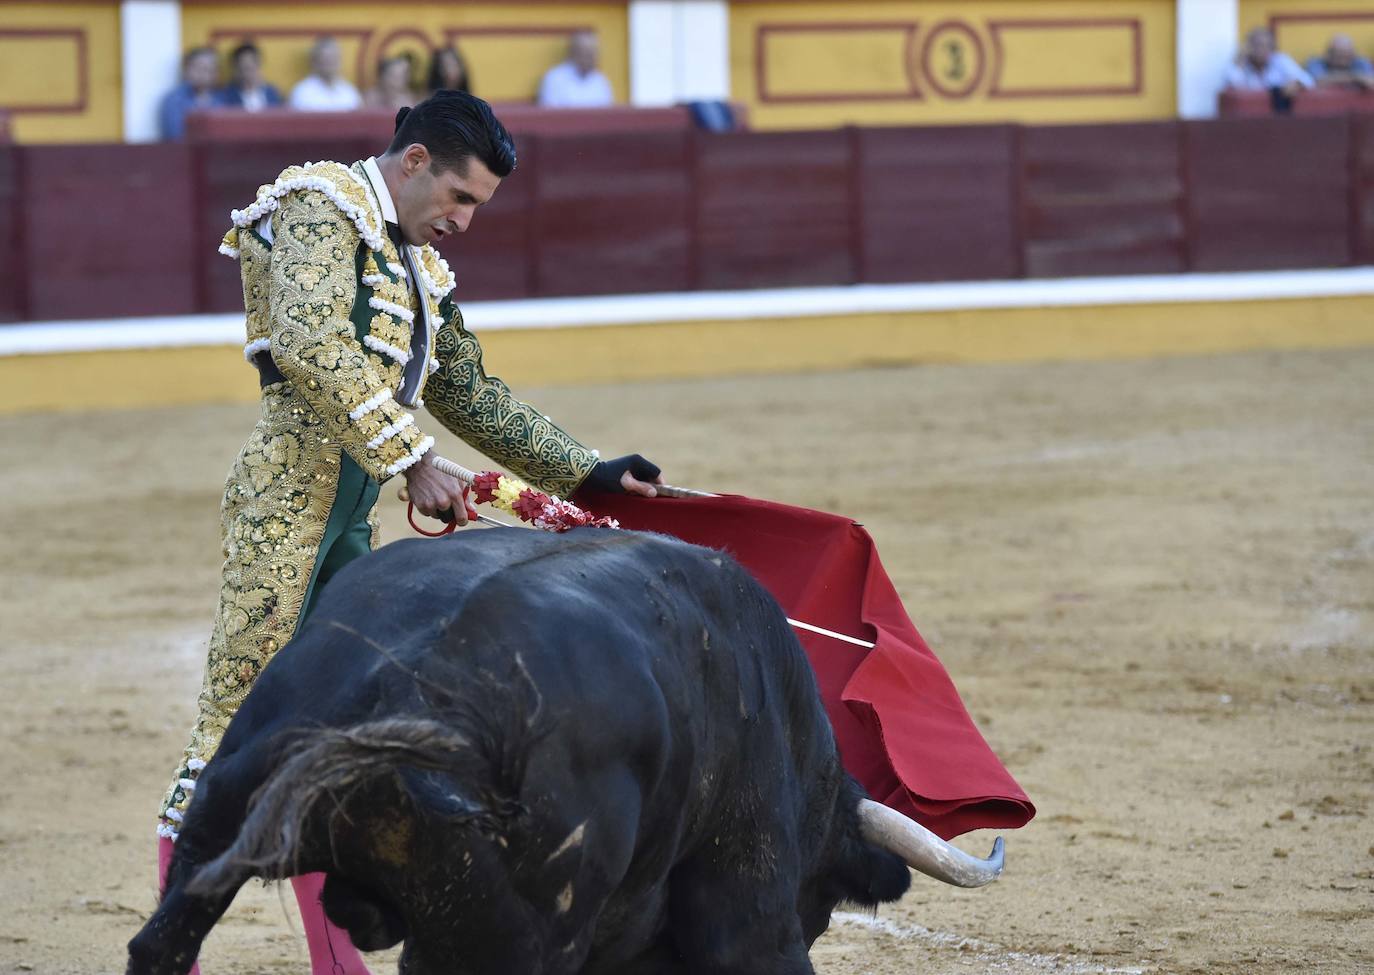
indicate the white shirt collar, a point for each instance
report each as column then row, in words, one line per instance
column 374, row 176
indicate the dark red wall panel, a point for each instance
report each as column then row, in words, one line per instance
column 936, row 204
column 773, row 209
column 1269, row 193
column 1100, row 199
column 1362, row 189
column 495, row 257
column 612, row 214
column 15, row 289
column 109, row 231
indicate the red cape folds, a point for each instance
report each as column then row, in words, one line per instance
column 902, row 730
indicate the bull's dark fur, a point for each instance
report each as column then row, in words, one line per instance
column 602, row 752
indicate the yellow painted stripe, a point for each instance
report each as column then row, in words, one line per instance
column 664, row 350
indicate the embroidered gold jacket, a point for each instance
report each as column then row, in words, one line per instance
column 346, row 349
column 327, row 297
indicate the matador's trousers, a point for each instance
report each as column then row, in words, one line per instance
column 296, row 509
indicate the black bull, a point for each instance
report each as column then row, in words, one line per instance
column 527, row 753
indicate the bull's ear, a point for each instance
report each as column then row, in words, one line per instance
column 440, row 794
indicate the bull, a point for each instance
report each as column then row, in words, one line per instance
column 601, row 752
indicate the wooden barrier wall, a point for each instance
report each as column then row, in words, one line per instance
column 676, row 211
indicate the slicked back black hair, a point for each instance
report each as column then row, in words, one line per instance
column 455, row 127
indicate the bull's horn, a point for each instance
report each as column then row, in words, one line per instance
column 923, row 850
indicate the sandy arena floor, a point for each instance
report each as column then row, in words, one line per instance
column 1152, row 581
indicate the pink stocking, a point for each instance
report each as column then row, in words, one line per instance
column 165, row 846
column 331, row 950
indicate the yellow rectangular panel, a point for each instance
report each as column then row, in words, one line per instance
column 805, row 60
column 805, row 64
column 42, row 69
column 1066, row 58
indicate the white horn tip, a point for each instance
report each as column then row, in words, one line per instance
column 997, row 858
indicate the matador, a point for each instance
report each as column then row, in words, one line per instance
column 352, row 327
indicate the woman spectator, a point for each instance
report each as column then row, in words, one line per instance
column 393, row 89
column 448, row 70
column 246, row 89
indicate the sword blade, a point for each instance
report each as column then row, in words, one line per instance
column 830, row 633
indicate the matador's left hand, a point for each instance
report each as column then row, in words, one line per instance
column 631, row 474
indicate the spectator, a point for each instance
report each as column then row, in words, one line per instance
column 1261, row 68
column 246, row 89
column 576, row 83
column 392, row 90
column 1341, row 66
column 324, row 89
column 448, row 71
column 199, row 72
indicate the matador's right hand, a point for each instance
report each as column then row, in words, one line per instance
column 436, row 494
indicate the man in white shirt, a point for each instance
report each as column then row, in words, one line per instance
column 1261, row 68
column 576, row 83
column 324, row 89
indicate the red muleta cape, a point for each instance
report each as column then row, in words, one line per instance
column 902, row 730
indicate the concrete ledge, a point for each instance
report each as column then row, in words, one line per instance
column 158, row 362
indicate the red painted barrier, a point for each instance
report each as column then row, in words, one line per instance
column 773, row 209
column 101, row 231
column 1103, row 200
column 1318, row 102
column 1269, row 193
column 612, row 214
column 13, row 295
column 108, row 231
column 1362, row 190
column 498, row 256
column 936, row 204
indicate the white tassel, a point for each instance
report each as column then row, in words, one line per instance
column 377, row 345
column 390, row 430
column 195, row 765
column 397, row 269
column 167, row 831
column 391, row 308
column 174, row 815
column 228, row 251
column 373, row 280
column 415, row 454
column 368, row 405
column 437, row 289
column 187, row 785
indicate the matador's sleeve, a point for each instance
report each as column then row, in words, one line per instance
column 480, row 409
column 314, row 344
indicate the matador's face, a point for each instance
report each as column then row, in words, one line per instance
column 432, row 205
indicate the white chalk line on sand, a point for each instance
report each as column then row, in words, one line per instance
column 993, row 953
